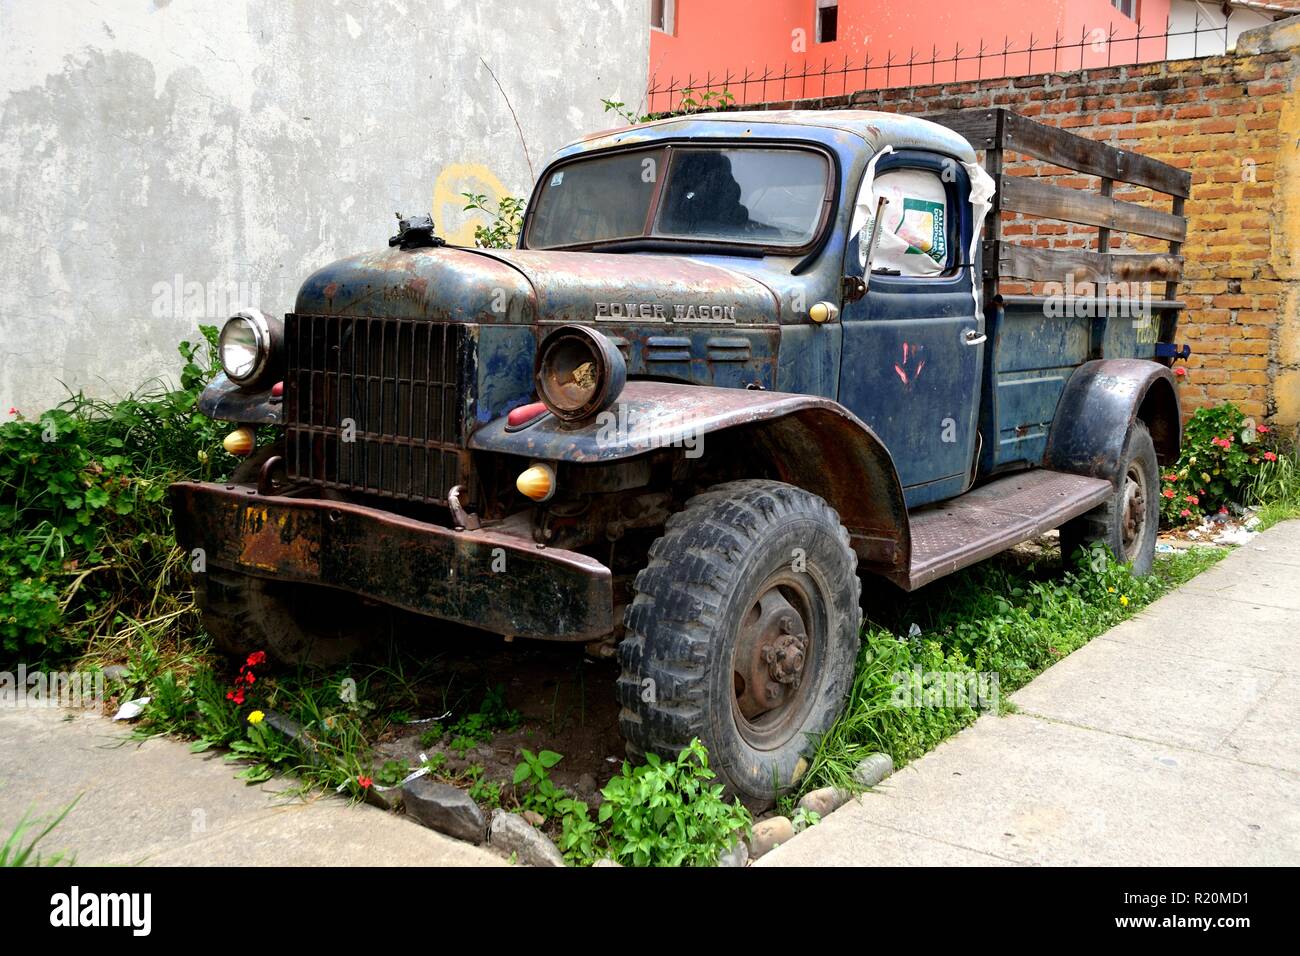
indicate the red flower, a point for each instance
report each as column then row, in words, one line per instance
column 1171, row 477
column 1269, row 456
column 1168, row 492
column 12, row 410
column 1185, row 513
column 1223, row 509
column 1193, row 499
column 1180, row 372
column 364, row 782
column 1263, row 429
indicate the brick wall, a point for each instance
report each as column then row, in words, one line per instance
column 1234, row 123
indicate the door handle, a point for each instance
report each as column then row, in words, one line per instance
column 974, row 337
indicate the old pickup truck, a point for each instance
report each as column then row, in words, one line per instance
column 736, row 363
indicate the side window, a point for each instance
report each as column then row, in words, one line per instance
column 915, row 236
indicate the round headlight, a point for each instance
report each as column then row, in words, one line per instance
column 578, row 372
column 247, row 341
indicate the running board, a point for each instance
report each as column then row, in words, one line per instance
column 962, row 531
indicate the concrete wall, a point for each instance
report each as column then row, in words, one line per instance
column 163, row 162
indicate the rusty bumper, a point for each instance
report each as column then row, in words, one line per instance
column 494, row 581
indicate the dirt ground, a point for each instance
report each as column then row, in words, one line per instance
column 565, row 699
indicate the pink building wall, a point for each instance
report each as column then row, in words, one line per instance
column 711, row 37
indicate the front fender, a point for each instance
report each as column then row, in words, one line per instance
column 1098, row 406
column 809, row 441
column 225, row 401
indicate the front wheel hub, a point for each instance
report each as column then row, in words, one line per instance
column 770, row 654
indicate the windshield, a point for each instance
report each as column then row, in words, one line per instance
column 766, row 197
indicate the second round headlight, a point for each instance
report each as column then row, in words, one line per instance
column 578, row 372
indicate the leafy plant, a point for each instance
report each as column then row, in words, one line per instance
column 505, row 219
column 803, row 818
column 698, row 101
column 86, row 546
column 666, row 813
column 624, row 112
column 579, row 834
column 1224, row 456
column 533, row 774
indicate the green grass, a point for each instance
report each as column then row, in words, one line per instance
column 20, row 849
column 1011, row 616
column 1276, row 491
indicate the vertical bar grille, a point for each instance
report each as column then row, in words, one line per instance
column 373, row 405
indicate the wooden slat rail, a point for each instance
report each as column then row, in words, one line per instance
column 1022, row 194
column 998, row 131
column 1054, row 265
column 1003, row 129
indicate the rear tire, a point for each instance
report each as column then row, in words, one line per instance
column 295, row 624
column 743, row 632
column 1128, row 521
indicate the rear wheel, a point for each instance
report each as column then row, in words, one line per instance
column 743, row 632
column 295, row 624
column 1128, row 521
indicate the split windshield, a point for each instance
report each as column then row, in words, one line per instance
column 764, row 197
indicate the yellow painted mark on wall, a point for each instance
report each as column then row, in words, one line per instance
column 449, row 201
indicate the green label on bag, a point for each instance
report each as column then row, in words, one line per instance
column 923, row 229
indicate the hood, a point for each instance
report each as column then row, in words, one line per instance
column 523, row 286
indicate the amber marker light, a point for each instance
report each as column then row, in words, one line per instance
column 537, row 481
column 239, row 442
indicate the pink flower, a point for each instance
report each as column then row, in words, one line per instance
column 12, row 410
column 1223, row 509
column 1180, row 372
column 1192, row 499
column 1269, row 456
column 1168, row 492
column 1185, row 513
column 1263, row 429
column 364, row 782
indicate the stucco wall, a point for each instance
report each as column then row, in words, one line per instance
column 162, row 163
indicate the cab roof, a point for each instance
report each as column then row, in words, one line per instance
column 870, row 128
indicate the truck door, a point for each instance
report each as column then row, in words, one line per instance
column 913, row 345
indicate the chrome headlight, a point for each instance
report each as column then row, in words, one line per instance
column 578, row 372
column 248, row 341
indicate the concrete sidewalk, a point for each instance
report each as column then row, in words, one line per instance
column 156, row 803
column 1173, row 739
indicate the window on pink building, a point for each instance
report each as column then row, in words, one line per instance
column 828, row 20
column 1127, row 7
column 661, row 15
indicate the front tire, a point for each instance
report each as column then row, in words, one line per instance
column 1128, row 521
column 743, row 632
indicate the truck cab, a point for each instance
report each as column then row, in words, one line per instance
column 736, row 363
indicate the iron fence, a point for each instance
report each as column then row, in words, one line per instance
column 1095, row 48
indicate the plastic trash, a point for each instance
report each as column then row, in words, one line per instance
column 131, row 709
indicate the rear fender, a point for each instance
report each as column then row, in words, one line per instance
column 1099, row 405
column 808, row 441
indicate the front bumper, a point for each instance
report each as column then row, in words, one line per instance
column 490, row 580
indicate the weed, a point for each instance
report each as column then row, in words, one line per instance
column 666, row 813
column 18, row 850
column 533, row 774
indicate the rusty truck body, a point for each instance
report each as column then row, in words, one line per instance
column 737, row 362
